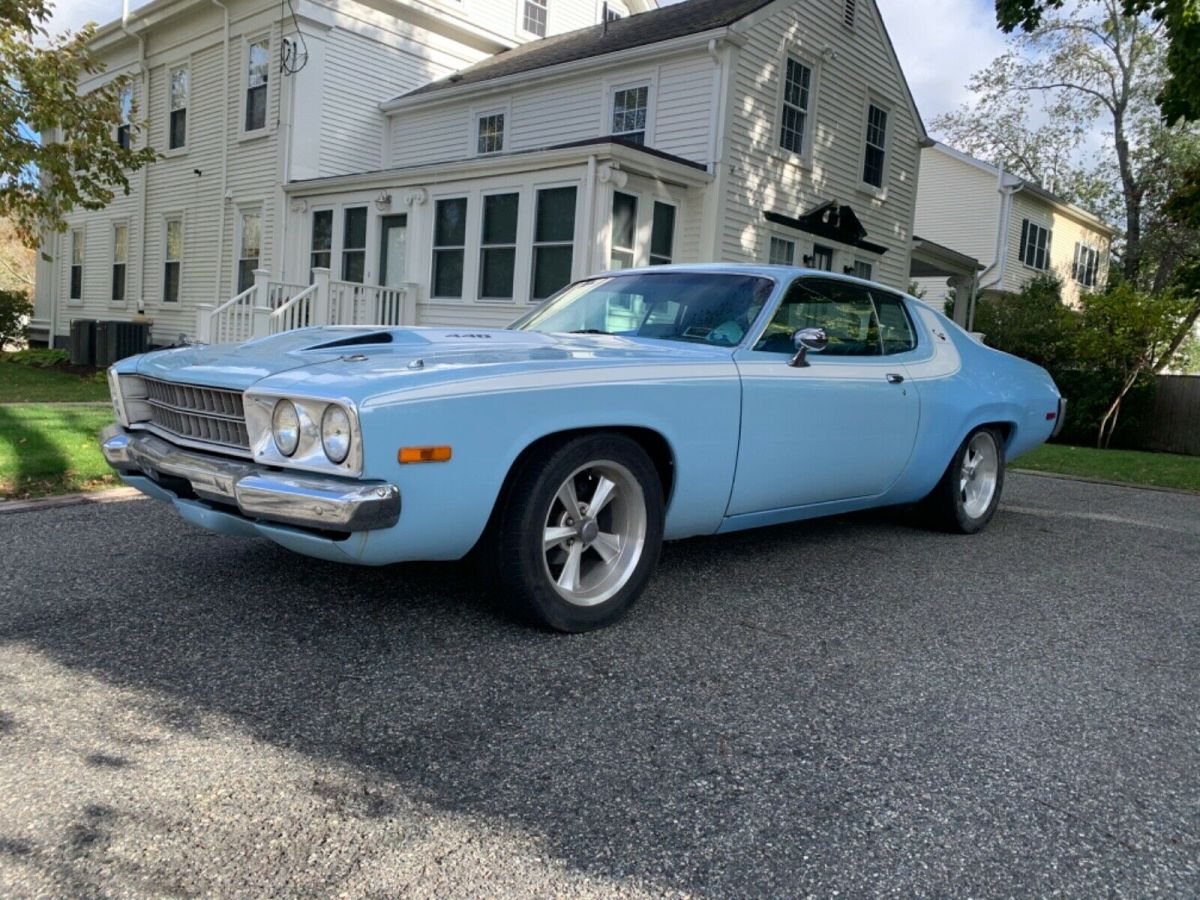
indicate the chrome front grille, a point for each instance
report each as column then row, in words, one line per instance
column 212, row 415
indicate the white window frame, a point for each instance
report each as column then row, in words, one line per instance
column 865, row 186
column 168, row 218
column 112, row 233
column 649, row 83
column 468, row 273
column 1075, row 265
column 654, row 201
column 248, row 42
column 785, row 239
column 333, row 239
column 632, row 249
column 859, row 261
column 578, row 227
column 1025, row 220
column 242, row 210
column 78, row 240
column 126, row 121
column 185, row 66
column 480, row 246
column 521, row 29
column 803, row 158
column 478, row 114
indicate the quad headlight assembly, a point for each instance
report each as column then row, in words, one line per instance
column 304, row 433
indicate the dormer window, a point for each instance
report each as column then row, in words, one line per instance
column 535, row 15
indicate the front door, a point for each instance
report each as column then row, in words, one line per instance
column 393, row 250
column 844, row 426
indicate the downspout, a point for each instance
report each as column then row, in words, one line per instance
column 589, row 205
column 218, row 296
column 144, row 72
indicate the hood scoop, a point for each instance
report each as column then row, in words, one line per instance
column 371, row 338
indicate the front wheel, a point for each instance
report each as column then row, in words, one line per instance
column 580, row 532
column 967, row 496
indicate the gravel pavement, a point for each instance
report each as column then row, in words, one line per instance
column 855, row 706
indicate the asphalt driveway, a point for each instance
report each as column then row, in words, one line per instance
column 856, row 705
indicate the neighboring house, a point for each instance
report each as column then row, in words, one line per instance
column 427, row 167
column 1015, row 228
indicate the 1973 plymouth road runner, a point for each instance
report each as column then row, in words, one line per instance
column 631, row 408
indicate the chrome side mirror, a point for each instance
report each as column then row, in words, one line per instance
column 806, row 339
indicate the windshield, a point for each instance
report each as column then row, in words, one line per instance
column 697, row 307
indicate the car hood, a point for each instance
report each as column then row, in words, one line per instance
column 338, row 358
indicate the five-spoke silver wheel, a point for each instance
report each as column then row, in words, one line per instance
column 979, row 473
column 595, row 530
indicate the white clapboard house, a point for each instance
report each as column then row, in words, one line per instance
column 454, row 161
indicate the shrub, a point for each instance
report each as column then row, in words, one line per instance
column 15, row 310
column 1033, row 324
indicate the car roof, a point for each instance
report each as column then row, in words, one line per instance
column 777, row 273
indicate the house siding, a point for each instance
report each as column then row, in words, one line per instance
column 958, row 205
column 763, row 179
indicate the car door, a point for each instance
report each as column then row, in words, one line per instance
column 843, row 425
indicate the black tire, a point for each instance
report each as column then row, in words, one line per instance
column 519, row 551
column 947, row 507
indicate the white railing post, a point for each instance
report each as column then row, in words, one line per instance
column 262, row 288
column 260, row 321
column 204, row 322
column 409, row 316
column 320, row 310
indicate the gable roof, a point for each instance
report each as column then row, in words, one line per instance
column 651, row 27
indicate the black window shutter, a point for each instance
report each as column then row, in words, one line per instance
column 1024, row 240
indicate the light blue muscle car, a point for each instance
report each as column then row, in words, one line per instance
column 631, row 408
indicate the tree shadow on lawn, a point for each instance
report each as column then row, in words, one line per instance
column 749, row 728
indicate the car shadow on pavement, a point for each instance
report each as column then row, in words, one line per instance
column 798, row 706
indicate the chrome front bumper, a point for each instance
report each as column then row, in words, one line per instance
column 307, row 500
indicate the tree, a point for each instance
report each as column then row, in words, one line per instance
column 1097, row 70
column 1179, row 96
column 43, row 180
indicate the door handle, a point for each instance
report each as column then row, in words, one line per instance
column 894, row 378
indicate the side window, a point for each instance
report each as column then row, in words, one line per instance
column 895, row 328
column 843, row 309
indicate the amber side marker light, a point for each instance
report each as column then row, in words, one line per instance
column 423, row 454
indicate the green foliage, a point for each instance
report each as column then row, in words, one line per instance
column 1169, row 470
column 1033, row 324
column 82, row 165
column 37, row 357
column 15, row 309
column 1179, row 95
column 50, row 448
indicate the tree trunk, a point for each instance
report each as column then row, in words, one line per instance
column 1131, row 192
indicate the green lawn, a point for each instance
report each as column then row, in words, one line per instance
column 1168, row 470
column 32, row 384
column 48, row 448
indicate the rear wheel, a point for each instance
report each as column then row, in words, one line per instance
column 580, row 532
column 967, row 496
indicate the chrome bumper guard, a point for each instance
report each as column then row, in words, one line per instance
column 310, row 501
column 1060, row 418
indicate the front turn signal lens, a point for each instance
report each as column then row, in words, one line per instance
column 423, row 454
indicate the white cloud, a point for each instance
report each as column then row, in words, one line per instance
column 940, row 43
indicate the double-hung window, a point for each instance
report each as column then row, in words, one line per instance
column 553, row 240
column 77, row 256
column 320, row 254
column 490, row 133
column 624, row 230
column 172, row 260
column 1035, row 245
column 498, row 246
column 258, row 64
column 249, row 248
column 354, row 244
column 662, row 234
column 629, row 113
column 534, row 16
column 125, row 101
column 862, row 269
column 797, row 92
column 781, row 252
column 177, row 126
column 449, row 247
column 822, row 258
column 876, row 146
column 120, row 258
column 1085, row 265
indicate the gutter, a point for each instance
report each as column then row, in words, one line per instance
column 994, row 274
column 589, row 63
column 145, row 75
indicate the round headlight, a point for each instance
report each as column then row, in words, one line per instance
column 335, row 433
column 285, row 427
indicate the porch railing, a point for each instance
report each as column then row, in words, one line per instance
column 271, row 307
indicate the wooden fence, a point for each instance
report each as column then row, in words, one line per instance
column 1175, row 426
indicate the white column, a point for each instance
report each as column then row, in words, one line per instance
column 320, row 310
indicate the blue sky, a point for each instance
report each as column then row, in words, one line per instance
column 940, row 42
